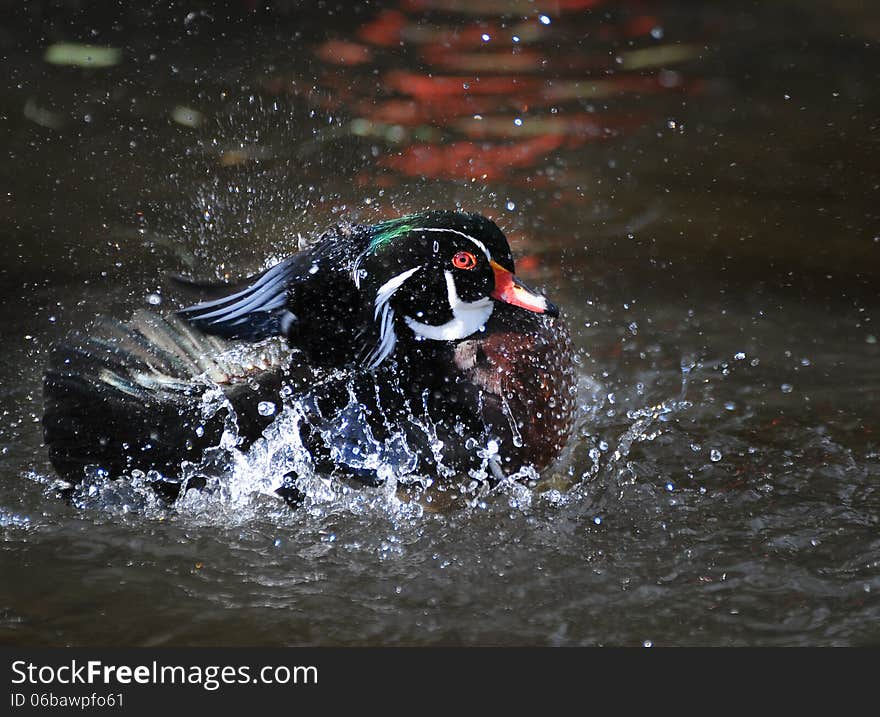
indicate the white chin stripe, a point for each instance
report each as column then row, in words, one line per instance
column 468, row 317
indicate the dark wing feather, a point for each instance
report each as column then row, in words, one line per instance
column 254, row 313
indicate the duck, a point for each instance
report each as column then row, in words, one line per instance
column 408, row 345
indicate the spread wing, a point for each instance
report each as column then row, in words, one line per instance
column 256, row 312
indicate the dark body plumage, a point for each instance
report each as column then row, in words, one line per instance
column 386, row 356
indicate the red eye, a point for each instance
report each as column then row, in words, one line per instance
column 464, row 260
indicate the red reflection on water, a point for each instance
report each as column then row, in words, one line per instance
column 471, row 160
column 433, row 87
column 641, row 25
column 384, row 30
column 489, row 61
column 527, row 264
column 342, row 52
column 434, row 112
column 485, row 89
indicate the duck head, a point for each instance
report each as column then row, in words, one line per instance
column 438, row 277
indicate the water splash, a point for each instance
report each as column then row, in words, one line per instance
column 239, row 483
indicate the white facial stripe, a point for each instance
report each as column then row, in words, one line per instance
column 387, row 337
column 356, row 271
column 386, row 291
column 468, row 317
column 461, row 234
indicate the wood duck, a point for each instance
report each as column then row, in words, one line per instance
column 408, row 343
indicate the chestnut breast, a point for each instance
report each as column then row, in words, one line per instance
column 523, row 369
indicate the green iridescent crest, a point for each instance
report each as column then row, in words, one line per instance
column 385, row 232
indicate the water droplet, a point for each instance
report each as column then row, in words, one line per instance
column 544, row 20
column 669, row 78
column 518, row 122
column 786, row 388
column 657, row 32
column 510, row 206
column 714, row 455
column 266, row 408
column 739, row 355
column 730, row 406
column 486, row 37
column 647, row 643
column 154, row 299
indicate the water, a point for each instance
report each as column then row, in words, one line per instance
column 696, row 187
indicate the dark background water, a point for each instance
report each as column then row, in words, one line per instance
column 696, row 184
